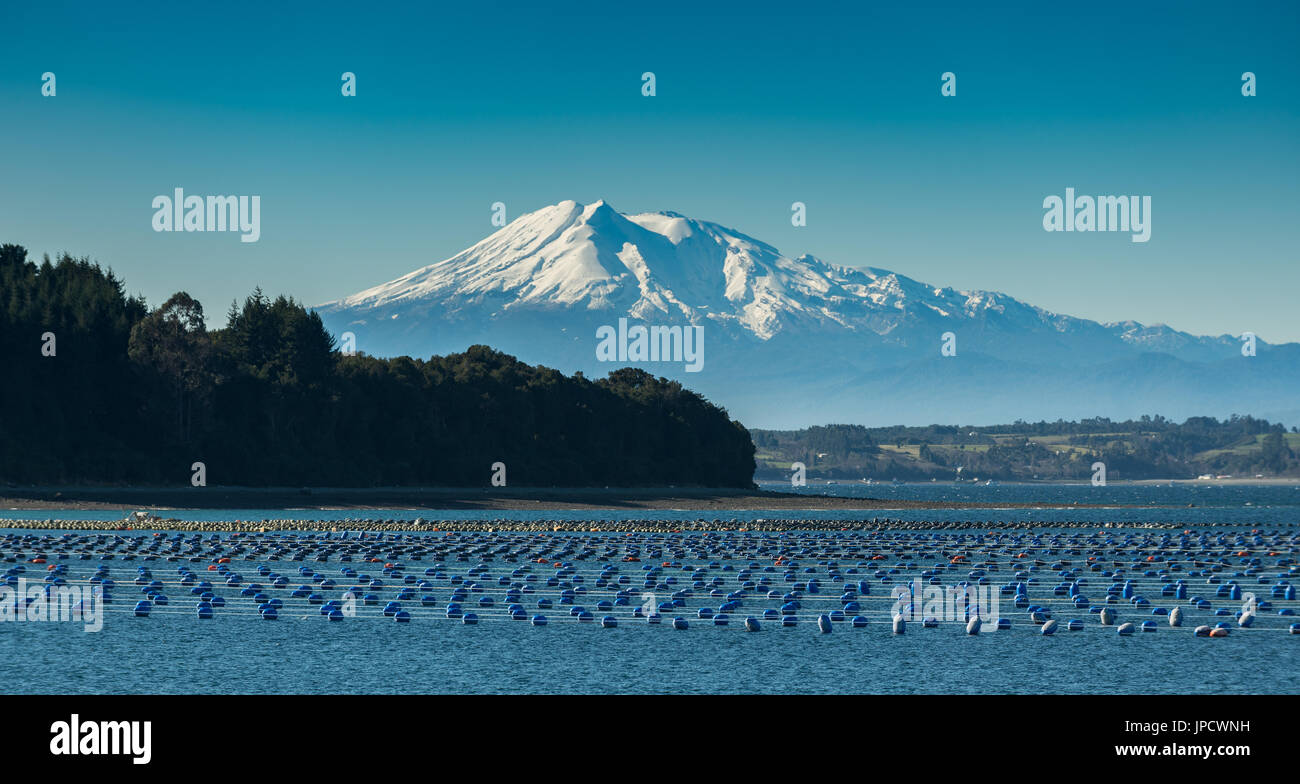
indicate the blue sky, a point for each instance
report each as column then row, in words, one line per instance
column 758, row 105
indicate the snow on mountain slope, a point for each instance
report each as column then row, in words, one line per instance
column 573, row 263
column 797, row 341
column 663, row 265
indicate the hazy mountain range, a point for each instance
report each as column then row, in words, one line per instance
column 796, row 341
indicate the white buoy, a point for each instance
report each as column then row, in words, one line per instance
column 1176, row 616
column 1049, row 627
column 1125, row 629
column 1246, row 619
column 900, row 625
column 973, row 625
column 1107, row 616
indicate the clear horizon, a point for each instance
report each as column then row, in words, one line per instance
column 756, row 106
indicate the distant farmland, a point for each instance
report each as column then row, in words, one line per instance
column 1149, row 448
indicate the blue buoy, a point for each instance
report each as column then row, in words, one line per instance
column 539, row 620
column 680, row 623
column 142, row 608
column 469, row 619
column 609, row 622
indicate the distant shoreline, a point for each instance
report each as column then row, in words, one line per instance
column 1263, row 481
column 482, row 499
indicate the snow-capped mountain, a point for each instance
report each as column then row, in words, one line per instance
column 786, row 336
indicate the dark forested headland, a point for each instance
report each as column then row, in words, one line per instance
column 98, row 388
column 1147, row 448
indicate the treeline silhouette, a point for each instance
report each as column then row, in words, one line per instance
column 1145, row 448
column 99, row 389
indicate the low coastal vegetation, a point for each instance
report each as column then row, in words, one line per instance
column 98, row 388
column 1147, row 448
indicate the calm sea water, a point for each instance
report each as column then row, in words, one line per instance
column 237, row 652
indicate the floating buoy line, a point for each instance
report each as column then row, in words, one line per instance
column 498, row 525
column 1207, row 582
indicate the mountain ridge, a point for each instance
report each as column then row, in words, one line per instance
column 541, row 284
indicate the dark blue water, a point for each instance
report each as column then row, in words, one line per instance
column 237, row 652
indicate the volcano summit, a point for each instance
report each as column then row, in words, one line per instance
column 799, row 341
